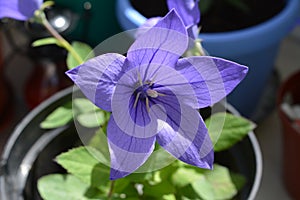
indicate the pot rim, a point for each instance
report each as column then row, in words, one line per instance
column 26, row 120
column 290, row 11
column 258, row 157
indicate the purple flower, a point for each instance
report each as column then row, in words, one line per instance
column 189, row 12
column 154, row 96
column 19, row 9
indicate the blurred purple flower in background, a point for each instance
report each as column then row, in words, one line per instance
column 189, row 12
column 19, row 9
column 154, row 96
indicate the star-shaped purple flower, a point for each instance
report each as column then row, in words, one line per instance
column 154, row 96
column 19, row 9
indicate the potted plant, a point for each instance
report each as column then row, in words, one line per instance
column 153, row 120
column 31, row 150
column 256, row 45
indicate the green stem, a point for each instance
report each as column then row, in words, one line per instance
column 111, row 189
column 64, row 43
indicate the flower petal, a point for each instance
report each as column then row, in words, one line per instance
column 161, row 45
column 97, row 78
column 174, row 88
column 130, row 111
column 127, row 152
column 188, row 10
column 19, row 9
column 190, row 143
column 146, row 26
column 211, row 78
column 193, row 33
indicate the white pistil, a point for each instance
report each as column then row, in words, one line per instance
column 152, row 93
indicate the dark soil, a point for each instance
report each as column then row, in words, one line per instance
column 222, row 16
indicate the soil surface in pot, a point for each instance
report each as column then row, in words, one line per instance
column 221, row 16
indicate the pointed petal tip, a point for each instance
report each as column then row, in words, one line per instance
column 245, row 69
column 207, row 164
column 72, row 73
column 173, row 15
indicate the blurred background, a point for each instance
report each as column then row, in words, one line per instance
column 30, row 75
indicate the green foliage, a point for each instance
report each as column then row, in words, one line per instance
column 66, row 187
column 83, row 50
column 93, row 119
column 99, row 143
column 184, row 176
column 204, row 184
column 176, row 181
column 59, row 117
column 83, row 105
column 85, row 112
column 83, row 162
column 226, row 129
column 215, row 184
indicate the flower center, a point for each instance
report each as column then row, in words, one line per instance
column 144, row 91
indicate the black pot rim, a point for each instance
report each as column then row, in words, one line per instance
column 26, row 120
column 258, row 158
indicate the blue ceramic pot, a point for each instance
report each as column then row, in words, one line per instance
column 256, row 47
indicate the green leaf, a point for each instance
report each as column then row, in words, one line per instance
column 92, row 120
column 83, row 105
column 59, row 117
column 226, row 129
column 204, row 188
column 131, row 191
column 84, row 51
column 99, row 143
column 188, row 193
column 167, row 172
column 158, row 190
column 216, row 184
column 169, row 197
column 84, row 163
column 184, row 176
column 67, row 187
column 46, row 41
column 121, row 184
column 238, row 180
column 157, row 160
column 139, row 177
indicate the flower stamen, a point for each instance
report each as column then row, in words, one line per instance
column 147, row 104
column 139, row 78
column 136, row 99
